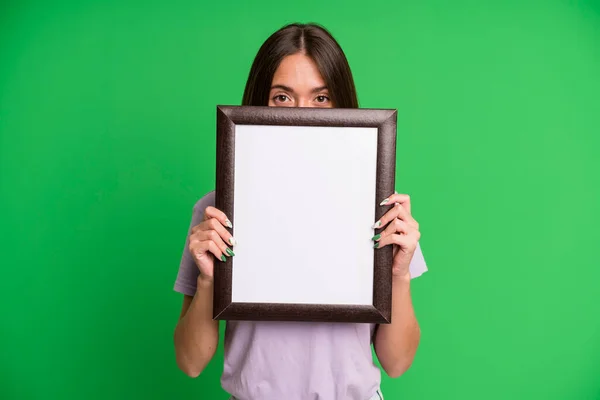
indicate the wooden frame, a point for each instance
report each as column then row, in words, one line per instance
column 231, row 119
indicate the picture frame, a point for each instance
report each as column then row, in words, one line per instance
column 303, row 188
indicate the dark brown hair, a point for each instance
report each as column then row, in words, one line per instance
column 317, row 43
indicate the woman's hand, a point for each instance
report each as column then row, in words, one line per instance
column 208, row 241
column 402, row 232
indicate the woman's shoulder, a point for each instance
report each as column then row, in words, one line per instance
column 208, row 200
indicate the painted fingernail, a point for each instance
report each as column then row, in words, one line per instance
column 384, row 202
column 376, row 245
column 228, row 223
column 377, row 224
column 223, row 258
column 231, row 253
column 376, row 237
column 232, row 241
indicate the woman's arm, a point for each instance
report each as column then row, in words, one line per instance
column 196, row 334
column 396, row 343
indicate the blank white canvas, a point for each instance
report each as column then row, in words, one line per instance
column 303, row 213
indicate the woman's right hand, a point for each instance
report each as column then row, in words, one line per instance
column 209, row 241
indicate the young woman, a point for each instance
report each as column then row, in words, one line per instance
column 298, row 66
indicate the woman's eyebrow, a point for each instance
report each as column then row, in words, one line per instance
column 319, row 89
column 283, row 87
column 289, row 89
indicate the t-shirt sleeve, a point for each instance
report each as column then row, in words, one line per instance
column 187, row 276
column 417, row 265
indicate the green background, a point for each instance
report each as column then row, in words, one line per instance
column 107, row 138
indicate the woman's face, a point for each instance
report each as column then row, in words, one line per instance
column 298, row 83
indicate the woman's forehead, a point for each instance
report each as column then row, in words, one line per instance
column 298, row 72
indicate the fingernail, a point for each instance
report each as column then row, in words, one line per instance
column 232, row 241
column 384, row 202
column 228, row 223
column 376, row 237
column 376, row 245
column 395, row 192
column 223, row 258
column 231, row 253
column 376, row 225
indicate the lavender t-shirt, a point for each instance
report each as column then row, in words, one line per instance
column 293, row 360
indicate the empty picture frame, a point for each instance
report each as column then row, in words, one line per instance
column 302, row 188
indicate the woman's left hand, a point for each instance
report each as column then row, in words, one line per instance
column 402, row 232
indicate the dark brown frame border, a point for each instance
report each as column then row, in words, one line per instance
column 385, row 121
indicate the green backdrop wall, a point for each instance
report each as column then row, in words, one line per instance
column 107, row 138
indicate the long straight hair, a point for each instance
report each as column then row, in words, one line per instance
column 318, row 44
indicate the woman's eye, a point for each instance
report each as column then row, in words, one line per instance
column 281, row 98
column 322, row 98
